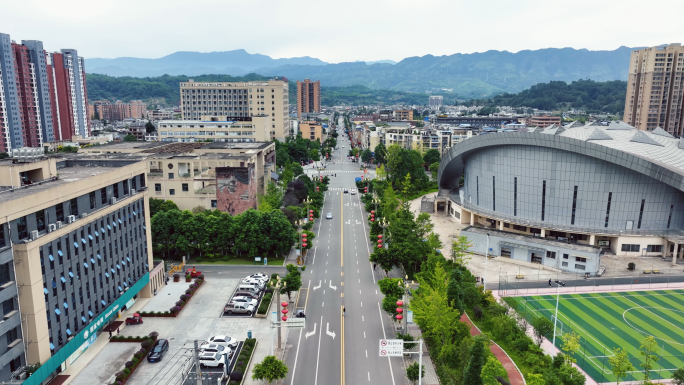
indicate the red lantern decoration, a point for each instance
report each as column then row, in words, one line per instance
column 379, row 246
column 399, row 317
column 283, row 304
column 304, row 244
column 399, row 310
column 304, row 235
column 400, row 303
column 285, row 311
column 372, row 219
column 284, row 318
column 380, row 236
column 372, row 211
column 311, row 211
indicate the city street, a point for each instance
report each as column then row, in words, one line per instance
column 335, row 346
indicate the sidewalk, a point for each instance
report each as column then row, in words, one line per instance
column 514, row 374
column 430, row 373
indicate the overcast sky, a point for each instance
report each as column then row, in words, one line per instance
column 337, row 31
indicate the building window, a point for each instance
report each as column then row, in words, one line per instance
column 641, row 213
column 565, row 256
column 116, row 190
column 12, row 335
column 214, row 203
column 515, row 196
column 22, row 230
column 493, row 193
column 551, row 254
column 543, row 202
column 654, row 248
column 103, row 195
column 157, row 187
column 172, row 192
column 92, row 200
column 185, row 187
column 40, row 220
column 4, row 273
column 59, row 210
column 610, row 197
column 669, row 218
column 519, row 228
column 73, row 207
column 580, row 259
column 630, row 248
column 3, row 243
column 564, row 264
column 579, row 267
column 574, row 206
column 125, row 187
column 8, row 306
column 170, row 175
column 477, row 190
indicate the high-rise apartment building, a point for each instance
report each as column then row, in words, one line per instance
column 236, row 100
column 43, row 96
column 106, row 110
column 308, row 96
column 436, row 101
column 655, row 89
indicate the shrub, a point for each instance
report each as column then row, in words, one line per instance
column 193, row 286
column 201, row 277
column 154, row 335
column 188, row 276
column 146, row 344
column 521, row 344
column 265, row 302
column 179, row 303
column 477, row 311
column 631, row 266
column 184, row 297
column 176, row 275
column 120, row 376
column 268, row 291
column 175, row 310
column 502, row 381
column 408, row 338
column 127, row 371
column 129, row 364
column 189, row 291
column 236, row 376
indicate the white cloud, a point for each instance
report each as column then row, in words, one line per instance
column 338, row 31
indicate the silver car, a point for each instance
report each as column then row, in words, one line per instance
column 328, row 216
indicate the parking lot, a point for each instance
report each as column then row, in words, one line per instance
column 197, row 321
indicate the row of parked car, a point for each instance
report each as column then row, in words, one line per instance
column 246, row 297
column 211, row 352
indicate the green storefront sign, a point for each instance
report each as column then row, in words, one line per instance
column 72, row 346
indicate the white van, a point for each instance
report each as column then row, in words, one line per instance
column 250, row 288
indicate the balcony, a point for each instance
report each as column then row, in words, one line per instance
column 5, row 255
column 155, row 175
column 10, row 321
column 16, row 349
column 8, row 290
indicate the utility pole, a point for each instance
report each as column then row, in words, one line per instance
column 197, row 365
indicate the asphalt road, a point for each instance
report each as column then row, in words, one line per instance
column 334, row 348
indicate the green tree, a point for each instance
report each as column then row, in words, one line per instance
column 380, row 172
column 297, row 169
column 158, row 205
column 491, row 370
column 412, row 372
column 542, row 326
column 282, row 157
column 130, row 138
column 473, row 373
column 434, row 170
column 620, row 364
column 431, row 156
column 292, row 280
column 313, row 154
column 380, row 154
column 248, row 233
column 406, row 186
column 273, row 197
column 384, row 259
column 648, row 351
column 571, row 345
column 270, row 369
column 366, row 155
column 149, row 127
column 678, row 377
column 535, row 379
column 459, row 250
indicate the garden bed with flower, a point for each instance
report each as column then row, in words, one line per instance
column 180, row 305
column 237, row 375
column 130, row 366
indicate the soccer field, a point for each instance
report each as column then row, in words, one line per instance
column 605, row 321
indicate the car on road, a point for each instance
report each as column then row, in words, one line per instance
column 214, row 360
column 224, row 340
column 346, row 191
column 238, row 308
column 328, row 216
column 216, row 348
column 158, row 350
column 353, row 191
column 246, row 300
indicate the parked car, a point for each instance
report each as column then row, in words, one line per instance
column 256, row 282
column 245, row 300
column 260, row 276
column 328, row 216
column 214, row 360
column 135, row 320
column 223, row 340
column 257, row 278
column 238, row 308
column 158, row 350
column 216, row 348
column 247, row 294
column 353, row 191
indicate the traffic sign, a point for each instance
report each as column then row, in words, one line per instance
column 391, row 348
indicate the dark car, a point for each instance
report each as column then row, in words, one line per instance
column 158, row 350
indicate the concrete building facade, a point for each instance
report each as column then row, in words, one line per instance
column 655, row 89
column 106, row 110
column 238, row 100
column 243, row 130
column 308, row 97
column 311, row 130
column 543, row 121
column 611, row 187
column 436, row 101
column 403, row 114
column 75, row 238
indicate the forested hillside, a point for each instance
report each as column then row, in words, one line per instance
column 581, row 94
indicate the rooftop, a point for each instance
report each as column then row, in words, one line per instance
column 530, row 238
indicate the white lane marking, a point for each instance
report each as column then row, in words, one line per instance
column 314, row 258
column 359, row 280
column 309, row 334
column 323, row 291
column 294, row 370
column 326, row 262
column 357, row 271
column 328, row 332
column 363, row 319
column 384, row 335
column 318, row 355
column 367, row 356
column 359, row 291
column 364, row 334
column 333, row 287
column 322, row 305
column 317, row 287
column 361, row 304
column 368, row 372
column 376, row 292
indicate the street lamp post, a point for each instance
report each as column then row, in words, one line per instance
column 405, row 287
column 278, row 286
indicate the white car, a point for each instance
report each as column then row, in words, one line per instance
column 255, row 281
column 328, row 216
column 353, row 191
column 223, row 340
column 215, row 348
column 261, row 276
column 244, row 300
column 214, row 360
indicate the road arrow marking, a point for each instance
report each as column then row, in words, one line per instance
column 328, row 332
column 309, row 334
column 348, row 222
column 332, row 287
column 317, row 287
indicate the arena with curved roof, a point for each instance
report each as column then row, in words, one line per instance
column 587, row 190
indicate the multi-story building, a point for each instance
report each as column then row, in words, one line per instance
column 246, row 129
column 473, row 121
column 224, row 176
column 75, row 250
column 159, row 114
column 565, row 196
column 311, row 131
column 403, row 114
column 43, row 96
column 239, row 100
column 106, row 110
column 655, row 89
column 308, row 97
column 137, row 129
column 436, row 101
column 543, row 121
